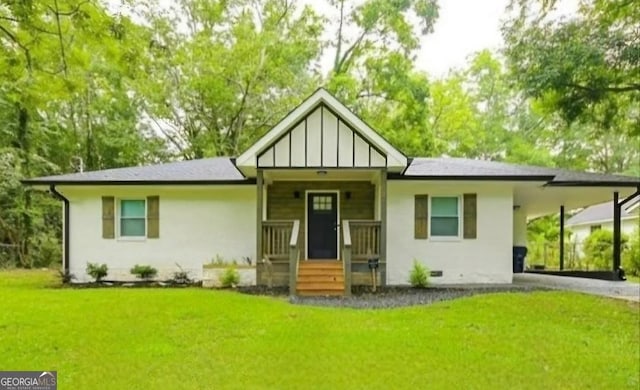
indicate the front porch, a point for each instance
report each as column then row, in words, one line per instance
column 316, row 236
column 321, row 176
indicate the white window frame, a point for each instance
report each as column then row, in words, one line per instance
column 119, row 221
column 457, row 237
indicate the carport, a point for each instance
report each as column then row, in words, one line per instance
column 568, row 191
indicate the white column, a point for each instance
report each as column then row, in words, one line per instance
column 519, row 227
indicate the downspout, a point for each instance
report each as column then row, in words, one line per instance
column 65, row 234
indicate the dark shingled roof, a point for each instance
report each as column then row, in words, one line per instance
column 598, row 213
column 223, row 170
column 208, row 170
column 462, row 168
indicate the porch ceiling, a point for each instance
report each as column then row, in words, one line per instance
column 372, row 175
column 537, row 200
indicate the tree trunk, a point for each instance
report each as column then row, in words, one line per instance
column 25, row 151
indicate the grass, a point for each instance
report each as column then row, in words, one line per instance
column 633, row 278
column 117, row 338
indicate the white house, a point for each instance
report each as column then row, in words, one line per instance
column 600, row 216
column 322, row 192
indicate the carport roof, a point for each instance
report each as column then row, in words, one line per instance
column 467, row 169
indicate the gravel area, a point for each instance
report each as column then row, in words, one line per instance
column 392, row 296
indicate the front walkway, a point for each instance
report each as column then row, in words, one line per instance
column 621, row 290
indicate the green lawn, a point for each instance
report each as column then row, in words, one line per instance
column 194, row 338
column 633, row 279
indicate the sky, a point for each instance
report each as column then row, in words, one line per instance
column 462, row 28
column 465, row 27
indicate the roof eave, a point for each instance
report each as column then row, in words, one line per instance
column 603, row 183
column 137, row 182
column 470, row 177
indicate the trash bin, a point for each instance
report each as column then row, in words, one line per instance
column 519, row 253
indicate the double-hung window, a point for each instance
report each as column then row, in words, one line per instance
column 133, row 218
column 445, row 216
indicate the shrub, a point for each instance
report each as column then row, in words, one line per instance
column 144, row 272
column 598, row 249
column 47, row 251
column 97, row 271
column 181, row 276
column 631, row 257
column 66, row 276
column 419, row 275
column 229, row 277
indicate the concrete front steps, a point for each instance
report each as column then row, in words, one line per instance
column 320, row 278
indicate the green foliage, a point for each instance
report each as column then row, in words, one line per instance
column 585, row 72
column 577, row 64
column 97, row 271
column 238, row 69
column 631, row 257
column 230, row 277
column 598, row 249
column 374, row 73
column 144, row 272
column 66, row 96
column 419, row 275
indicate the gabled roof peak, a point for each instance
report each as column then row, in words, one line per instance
column 394, row 160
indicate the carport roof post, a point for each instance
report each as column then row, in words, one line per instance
column 617, row 211
column 561, row 237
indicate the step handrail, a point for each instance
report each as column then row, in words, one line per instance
column 294, row 255
column 346, row 256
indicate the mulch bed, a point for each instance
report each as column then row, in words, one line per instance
column 133, row 284
column 389, row 296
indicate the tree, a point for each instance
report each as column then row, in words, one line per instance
column 63, row 98
column 475, row 113
column 230, row 74
column 373, row 70
column 580, row 65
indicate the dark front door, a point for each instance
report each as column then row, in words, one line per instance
column 322, row 225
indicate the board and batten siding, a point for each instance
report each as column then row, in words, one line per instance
column 321, row 139
column 195, row 224
column 484, row 259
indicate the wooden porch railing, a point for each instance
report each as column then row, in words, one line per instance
column 294, row 257
column 365, row 237
column 346, row 256
column 360, row 241
column 276, row 236
column 281, row 243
